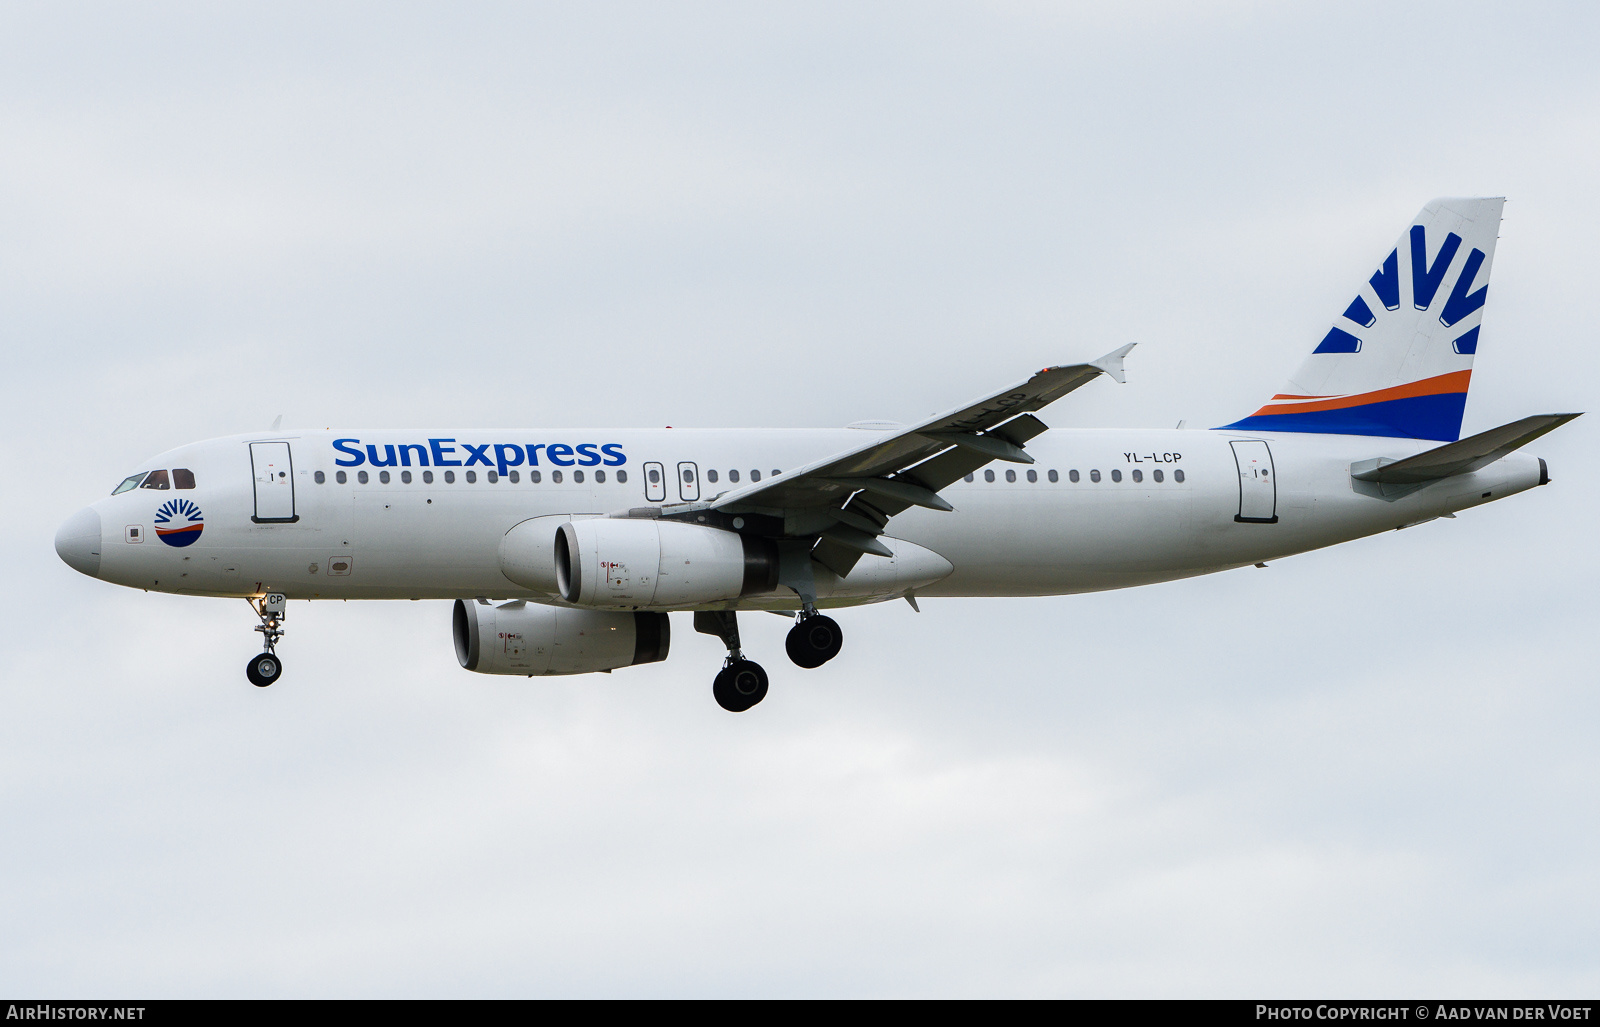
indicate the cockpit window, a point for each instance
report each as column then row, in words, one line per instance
column 157, row 480
column 182, row 478
column 130, row 482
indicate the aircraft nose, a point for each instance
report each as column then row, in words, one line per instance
column 78, row 542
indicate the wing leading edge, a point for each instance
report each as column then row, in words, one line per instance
column 846, row 500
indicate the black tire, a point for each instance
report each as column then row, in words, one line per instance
column 739, row 686
column 263, row 669
column 814, row 641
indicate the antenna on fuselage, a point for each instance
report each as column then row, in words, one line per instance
column 277, row 422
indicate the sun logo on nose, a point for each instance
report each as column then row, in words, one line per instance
column 178, row 522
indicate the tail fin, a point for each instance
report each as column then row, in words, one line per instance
column 1397, row 362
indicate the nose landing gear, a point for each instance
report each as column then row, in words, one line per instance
column 265, row 668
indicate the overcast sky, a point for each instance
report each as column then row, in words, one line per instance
column 1369, row 771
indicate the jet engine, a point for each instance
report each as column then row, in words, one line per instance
column 655, row 563
column 526, row 638
column 637, row 563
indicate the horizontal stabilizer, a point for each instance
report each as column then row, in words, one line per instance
column 1459, row 457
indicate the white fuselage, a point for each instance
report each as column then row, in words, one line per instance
column 419, row 540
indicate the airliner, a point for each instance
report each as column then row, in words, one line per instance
column 566, row 551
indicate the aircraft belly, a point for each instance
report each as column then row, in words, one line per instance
column 1057, row 540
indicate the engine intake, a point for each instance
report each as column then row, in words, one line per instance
column 634, row 563
column 526, row 638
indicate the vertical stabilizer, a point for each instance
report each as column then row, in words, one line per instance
column 1398, row 360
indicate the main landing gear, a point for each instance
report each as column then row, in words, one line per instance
column 813, row 641
column 265, row 668
column 741, row 683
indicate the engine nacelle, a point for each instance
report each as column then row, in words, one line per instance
column 528, row 552
column 526, row 638
column 635, row 562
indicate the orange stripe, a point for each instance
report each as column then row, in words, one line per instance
column 1455, row 381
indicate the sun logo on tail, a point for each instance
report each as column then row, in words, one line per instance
column 178, row 522
column 1426, row 279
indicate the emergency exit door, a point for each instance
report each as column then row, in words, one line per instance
column 1258, row 483
column 655, row 482
column 688, row 482
column 273, row 470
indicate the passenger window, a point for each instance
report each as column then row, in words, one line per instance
column 1116, row 475
column 577, row 477
column 1033, row 475
column 492, row 476
column 967, row 478
column 182, row 478
column 341, row 477
column 405, row 477
column 320, row 478
column 1138, row 475
column 449, row 477
column 733, row 476
column 534, row 477
column 1011, row 476
column 776, row 473
column 555, row 476
column 599, row 476
column 711, row 476
column 130, row 482
column 688, row 476
column 654, row 476
column 1177, row 476
column 361, row 476
column 157, row 480
column 427, row 477
column 755, row 475
column 1094, row 476
column 515, row 477
column 1054, row 477
column 1157, row 475
column 988, row 476
column 383, row 477
column 622, row 476
column 472, row 477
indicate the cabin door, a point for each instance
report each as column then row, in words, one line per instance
column 1258, row 483
column 273, row 470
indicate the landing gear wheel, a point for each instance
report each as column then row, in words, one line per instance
column 814, row 641
column 739, row 686
column 263, row 669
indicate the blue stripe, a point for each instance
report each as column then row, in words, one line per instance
column 1437, row 418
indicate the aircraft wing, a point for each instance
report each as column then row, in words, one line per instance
column 848, row 498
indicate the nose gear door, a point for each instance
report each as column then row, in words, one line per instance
column 1258, row 486
column 273, row 469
